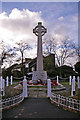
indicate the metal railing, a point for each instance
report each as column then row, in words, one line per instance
column 8, row 102
column 66, row 102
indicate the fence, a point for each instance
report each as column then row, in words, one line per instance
column 57, row 78
column 8, row 102
column 66, row 102
column 60, row 78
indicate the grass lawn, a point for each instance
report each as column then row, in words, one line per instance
column 10, row 91
column 67, row 83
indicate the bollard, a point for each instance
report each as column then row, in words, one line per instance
column 11, row 79
column 78, row 78
column 78, row 82
column 25, row 87
column 48, row 87
column 57, row 79
column 7, row 81
column 73, row 86
column 2, row 86
column 70, row 80
column 1, row 83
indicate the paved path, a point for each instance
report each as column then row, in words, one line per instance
column 38, row 108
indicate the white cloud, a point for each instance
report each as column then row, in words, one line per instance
column 75, row 18
column 61, row 18
column 19, row 25
column 60, row 32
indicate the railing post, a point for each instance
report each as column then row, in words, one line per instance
column 58, row 99
column 11, row 79
column 73, row 86
column 48, row 88
column 25, row 87
column 57, row 79
column 72, row 103
column 7, row 82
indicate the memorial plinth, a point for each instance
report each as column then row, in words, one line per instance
column 39, row 74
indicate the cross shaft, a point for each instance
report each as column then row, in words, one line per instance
column 39, row 31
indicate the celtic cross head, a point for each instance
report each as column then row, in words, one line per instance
column 39, row 30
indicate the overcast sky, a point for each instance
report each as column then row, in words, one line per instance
column 18, row 19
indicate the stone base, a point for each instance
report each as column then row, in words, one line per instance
column 39, row 75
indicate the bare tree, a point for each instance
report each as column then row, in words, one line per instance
column 22, row 46
column 78, row 52
column 5, row 51
column 2, row 50
column 62, row 50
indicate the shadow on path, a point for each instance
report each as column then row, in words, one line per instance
column 37, row 108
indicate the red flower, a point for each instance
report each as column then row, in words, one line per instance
column 54, row 83
column 34, row 83
column 21, row 83
column 27, row 82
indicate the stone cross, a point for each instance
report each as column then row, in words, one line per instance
column 39, row 31
column 39, row 74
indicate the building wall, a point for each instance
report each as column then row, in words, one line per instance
column 32, row 65
column 48, row 63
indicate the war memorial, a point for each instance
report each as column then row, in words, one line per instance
column 35, row 96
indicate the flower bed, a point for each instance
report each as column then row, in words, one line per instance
column 53, row 83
